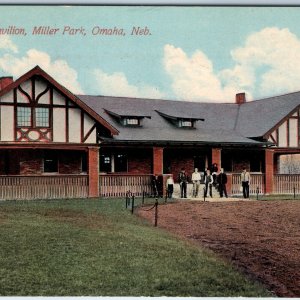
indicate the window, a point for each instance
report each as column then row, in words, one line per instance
column 131, row 121
column 33, row 117
column 42, row 117
column 50, row 162
column 24, row 117
column 121, row 163
column 84, row 163
column 185, row 123
column 105, row 163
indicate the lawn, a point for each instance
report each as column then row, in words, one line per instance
column 98, row 248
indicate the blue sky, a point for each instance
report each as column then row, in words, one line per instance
column 203, row 54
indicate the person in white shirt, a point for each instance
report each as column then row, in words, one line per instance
column 196, row 177
column 170, row 186
column 245, row 179
column 208, row 184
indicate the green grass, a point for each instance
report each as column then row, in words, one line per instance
column 97, row 248
column 276, row 197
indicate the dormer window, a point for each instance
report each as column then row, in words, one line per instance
column 185, row 123
column 127, row 117
column 180, row 120
column 131, row 121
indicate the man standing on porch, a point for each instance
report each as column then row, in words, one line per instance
column 245, row 178
column 183, row 180
column 196, row 177
column 222, row 180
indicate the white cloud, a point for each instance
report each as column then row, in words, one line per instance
column 267, row 64
column 7, row 44
column 116, row 84
column 269, row 61
column 58, row 69
column 193, row 78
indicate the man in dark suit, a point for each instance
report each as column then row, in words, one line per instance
column 222, row 180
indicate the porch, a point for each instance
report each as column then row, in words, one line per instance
column 19, row 187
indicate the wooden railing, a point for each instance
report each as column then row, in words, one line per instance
column 43, row 187
column 114, row 185
column 286, row 183
column 256, row 181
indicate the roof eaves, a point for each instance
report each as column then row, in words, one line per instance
column 178, row 117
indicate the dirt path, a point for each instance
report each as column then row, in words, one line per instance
column 262, row 238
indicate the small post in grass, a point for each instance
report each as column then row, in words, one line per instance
column 143, row 199
column 126, row 199
column 156, row 212
column 257, row 192
column 132, row 204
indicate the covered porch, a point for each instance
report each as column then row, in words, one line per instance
column 50, row 171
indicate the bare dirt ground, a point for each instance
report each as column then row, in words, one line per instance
column 261, row 238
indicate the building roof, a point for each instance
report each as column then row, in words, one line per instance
column 223, row 122
column 218, row 126
column 256, row 118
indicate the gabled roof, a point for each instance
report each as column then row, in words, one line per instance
column 256, row 118
column 38, row 71
column 238, row 122
column 218, row 126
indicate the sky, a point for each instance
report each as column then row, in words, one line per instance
column 199, row 53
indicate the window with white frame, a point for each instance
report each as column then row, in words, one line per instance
column 42, row 117
column 24, row 117
column 131, row 121
column 33, row 116
column 186, row 123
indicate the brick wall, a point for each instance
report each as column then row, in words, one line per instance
column 31, row 162
column 140, row 162
column 70, row 162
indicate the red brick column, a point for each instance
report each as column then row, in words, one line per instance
column 216, row 157
column 93, row 171
column 158, row 159
column 269, row 170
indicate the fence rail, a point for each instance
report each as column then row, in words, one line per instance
column 117, row 185
column 285, row 183
column 256, row 180
column 43, row 187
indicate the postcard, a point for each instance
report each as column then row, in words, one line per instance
column 181, row 106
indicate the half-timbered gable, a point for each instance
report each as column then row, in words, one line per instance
column 36, row 108
column 286, row 133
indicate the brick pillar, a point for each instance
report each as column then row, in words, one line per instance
column 216, row 157
column 93, row 169
column 269, row 170
column 158, row 159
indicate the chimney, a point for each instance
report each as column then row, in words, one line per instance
column 5, row 81
column 240, row 98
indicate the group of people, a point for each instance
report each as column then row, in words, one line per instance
column 210, row 178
